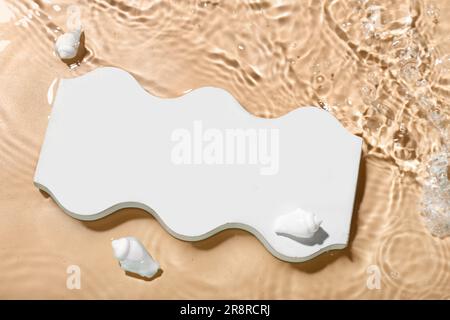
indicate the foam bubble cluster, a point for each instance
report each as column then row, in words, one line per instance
column 436, row 195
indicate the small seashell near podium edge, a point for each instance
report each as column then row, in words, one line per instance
column 67, row 44
column 298, row 223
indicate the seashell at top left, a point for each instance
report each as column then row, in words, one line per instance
column 198, row 163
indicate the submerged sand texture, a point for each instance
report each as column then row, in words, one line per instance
column 381, row 67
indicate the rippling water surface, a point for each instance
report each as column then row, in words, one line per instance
column 381, row 67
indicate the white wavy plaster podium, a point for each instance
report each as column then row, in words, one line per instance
column 110, row 144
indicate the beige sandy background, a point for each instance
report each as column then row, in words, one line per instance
column 381, row 67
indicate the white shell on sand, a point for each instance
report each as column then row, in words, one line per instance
column 133, row 257
column 298, row 223
column 66, row 46
column 199, row 163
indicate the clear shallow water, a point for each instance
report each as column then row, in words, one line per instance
column 381, row 67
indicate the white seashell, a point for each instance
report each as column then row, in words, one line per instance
column 298, row 223
column 66, row 46
column 133, row 257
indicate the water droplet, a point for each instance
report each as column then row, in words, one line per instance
column 315, row 68
column 241, row 47
column 433, row 13
column 432, row 10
